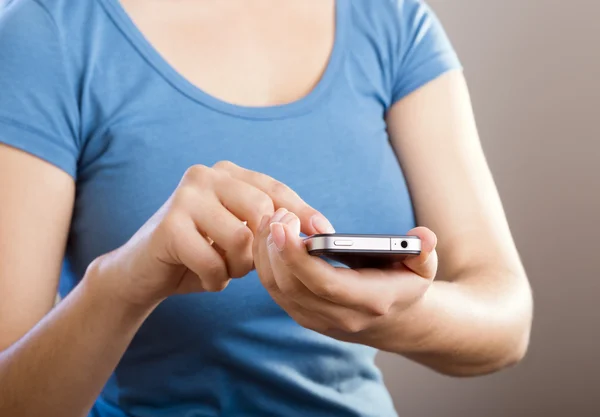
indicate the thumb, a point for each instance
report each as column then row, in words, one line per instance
column 426, row 263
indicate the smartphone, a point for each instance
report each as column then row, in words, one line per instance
column 363, row 251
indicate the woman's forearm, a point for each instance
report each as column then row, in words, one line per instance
column 462, row 328
column 61, row 365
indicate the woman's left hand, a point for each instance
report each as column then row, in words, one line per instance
column 338, row 302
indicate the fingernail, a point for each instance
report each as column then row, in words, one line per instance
column 321, row 224
column 279, row 214
column 278, row 234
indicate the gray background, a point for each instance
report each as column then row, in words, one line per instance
column 533, row 68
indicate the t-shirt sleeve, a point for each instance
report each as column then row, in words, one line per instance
column 423, row 52
column 38, row 104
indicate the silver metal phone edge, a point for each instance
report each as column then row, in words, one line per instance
column 362, row 243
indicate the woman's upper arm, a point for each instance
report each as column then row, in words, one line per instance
column 434, row 134
column 39, row 151
column 35, row 213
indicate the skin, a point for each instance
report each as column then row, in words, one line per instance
column 474, row 318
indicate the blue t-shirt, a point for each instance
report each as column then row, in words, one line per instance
column 81, row 87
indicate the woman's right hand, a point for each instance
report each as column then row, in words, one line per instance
column 202, row 236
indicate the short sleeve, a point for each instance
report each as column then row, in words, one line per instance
column 38, row 105
column 424, row 51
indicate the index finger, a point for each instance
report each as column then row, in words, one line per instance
column 311, row 220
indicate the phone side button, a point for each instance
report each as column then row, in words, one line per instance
column 343, row 242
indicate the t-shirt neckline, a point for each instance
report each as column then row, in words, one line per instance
column 303, row 105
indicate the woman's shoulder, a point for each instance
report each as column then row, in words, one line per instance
column 407, row 39
column 57, row 12
column 390, row 11
column 66, row 21
column 43, row 49
column 392, row 24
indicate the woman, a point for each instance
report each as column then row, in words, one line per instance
column 328, row 113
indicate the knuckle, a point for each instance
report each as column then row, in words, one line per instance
column 224, row 165
column 184, row 196
column 276, row 188
column 242, row 238
column 327, row 289
column 263, row 205
column 307, row 212
column 97, row 264
column 241, row 266
column 171, row 226
column 168, row 234
column 290, row 288
column 380, row 307
column 197, row 174
column 214, row 269
column 351, row 326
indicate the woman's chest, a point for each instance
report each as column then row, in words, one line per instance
column 247, row 53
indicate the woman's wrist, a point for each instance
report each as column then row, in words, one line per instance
column 453, row 330
column 103, row 283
